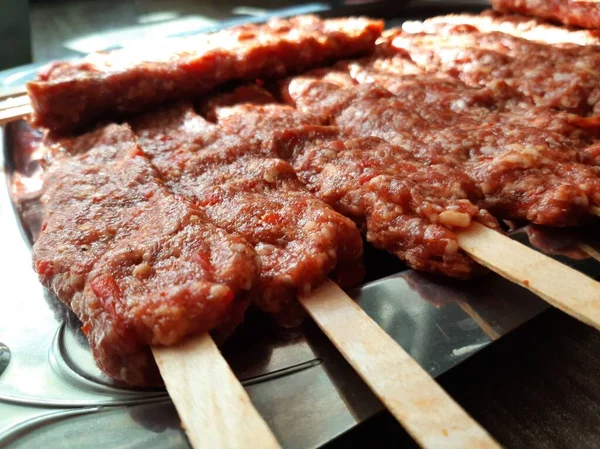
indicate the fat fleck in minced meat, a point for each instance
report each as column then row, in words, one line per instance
column 138, row 265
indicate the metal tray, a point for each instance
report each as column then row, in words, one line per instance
column 52, row 394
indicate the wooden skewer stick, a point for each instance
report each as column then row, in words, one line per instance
column 483, row 324
column 14, row 104
column 14, row 113
column 596, row 210
column 16, row 91
column 11, row 102
column 216, row 411
column 589, row 250
column 423, row 408
column 559, row 285
column 214, row 408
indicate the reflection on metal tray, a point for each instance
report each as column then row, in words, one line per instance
column 303, row 388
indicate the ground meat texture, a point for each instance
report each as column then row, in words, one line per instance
column 254, row 94
column 582, row 13
column 261, row 125
column 396, row 71
column 404, row 206
column 519, row 26
column 564, row 76
column 68, row 94
column 242, row 186
column 136, row 264
column 523, row 183
column 530, row 163
column 411, row 118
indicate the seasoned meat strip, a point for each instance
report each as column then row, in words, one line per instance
column 243, row 187
column 528, row 163
column 583, row 13
column 68, row 94
column 564, row 76
column 406, row 207
column 402, row 205
column 528, row 28
column 136, row 264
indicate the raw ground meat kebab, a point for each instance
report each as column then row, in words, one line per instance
column 169, row 223
column 583, row 13
column 68, row 94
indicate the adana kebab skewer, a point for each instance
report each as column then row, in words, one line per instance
column 582, row 303
column 94, row 251
column 106, row 140
column 66, row 95
column 107, row 288
column 187, row 146
column 584, row 14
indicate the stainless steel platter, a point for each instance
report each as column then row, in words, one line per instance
column 52, row 395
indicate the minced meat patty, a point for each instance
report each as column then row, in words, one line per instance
column 530, row 162
column 138, row 265
column 396, row 200
column 564, row 76
column 170, row 227
column 582, row 13
column 529, row 28
column 242, row 186
column 406, row 207
column 66, row 95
